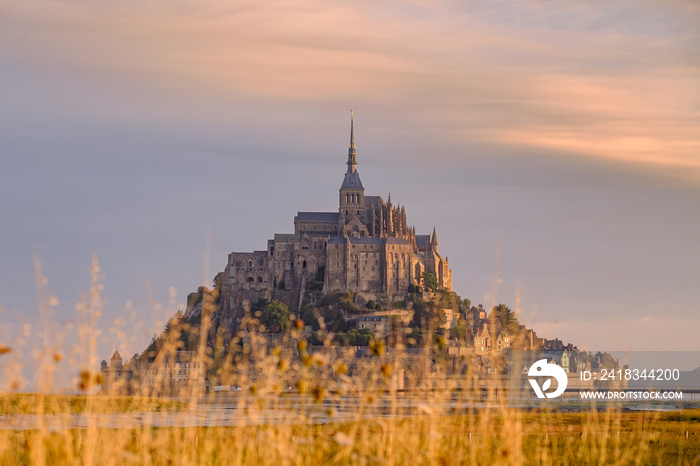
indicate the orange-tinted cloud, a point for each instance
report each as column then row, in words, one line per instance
column 617, row 82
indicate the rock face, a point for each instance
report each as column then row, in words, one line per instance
column 366, row 247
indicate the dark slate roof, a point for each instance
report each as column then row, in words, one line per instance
column 372, row 200
column 352, row 240
column 352, row 180
column 286, row 236
column 366, row 240
column 392, row 240
column 422, row 241
column 328, row 217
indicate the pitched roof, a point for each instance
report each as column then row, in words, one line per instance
column 353, row 240
column 286, row 236
column 352, row 180
column 328, row 217
column 422, row 241
column 366, row 240
column 369, row 200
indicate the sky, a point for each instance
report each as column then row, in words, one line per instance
column 555, row 146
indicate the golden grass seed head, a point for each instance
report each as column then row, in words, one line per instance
column 341, row 368
column 386, row 370
column 376, row 347
column 318, row 393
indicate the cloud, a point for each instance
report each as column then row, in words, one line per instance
column 608, row 81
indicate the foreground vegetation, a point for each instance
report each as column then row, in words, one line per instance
column 34, row 403
column 491, row 437
column 288, row 402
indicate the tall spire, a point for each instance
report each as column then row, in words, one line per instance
column 351, row 191
column 352, row 129
column 433, row 240
column 352, row 153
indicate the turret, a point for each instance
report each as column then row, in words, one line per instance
column 116, row 361
column 434, row 240
column 389, row 218
column 403, row 221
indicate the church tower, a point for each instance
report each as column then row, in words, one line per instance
column 352, row 194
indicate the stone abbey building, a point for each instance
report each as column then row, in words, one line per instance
column 366, row 247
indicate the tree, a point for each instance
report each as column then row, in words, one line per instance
column 467, row 304
column 461, row 330
column 415, row 338
column 309, row 315
column 334, row 320
column 428, row 316
column 430, row 281
column 449, row 300
column 506, row 318
column 174, row 323
column 359, row 337
column 275, row 317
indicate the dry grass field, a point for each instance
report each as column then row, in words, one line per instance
column 487, row 436
column 296, row 405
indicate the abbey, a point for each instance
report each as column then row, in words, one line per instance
column 366, row 247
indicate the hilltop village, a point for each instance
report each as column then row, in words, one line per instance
column 354, row 278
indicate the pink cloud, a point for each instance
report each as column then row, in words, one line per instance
column 479, row 73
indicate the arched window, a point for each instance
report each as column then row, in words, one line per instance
column 303, row 266
column 250, row 279
column 260, row 280
column 347, row 198
column 250, row 264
